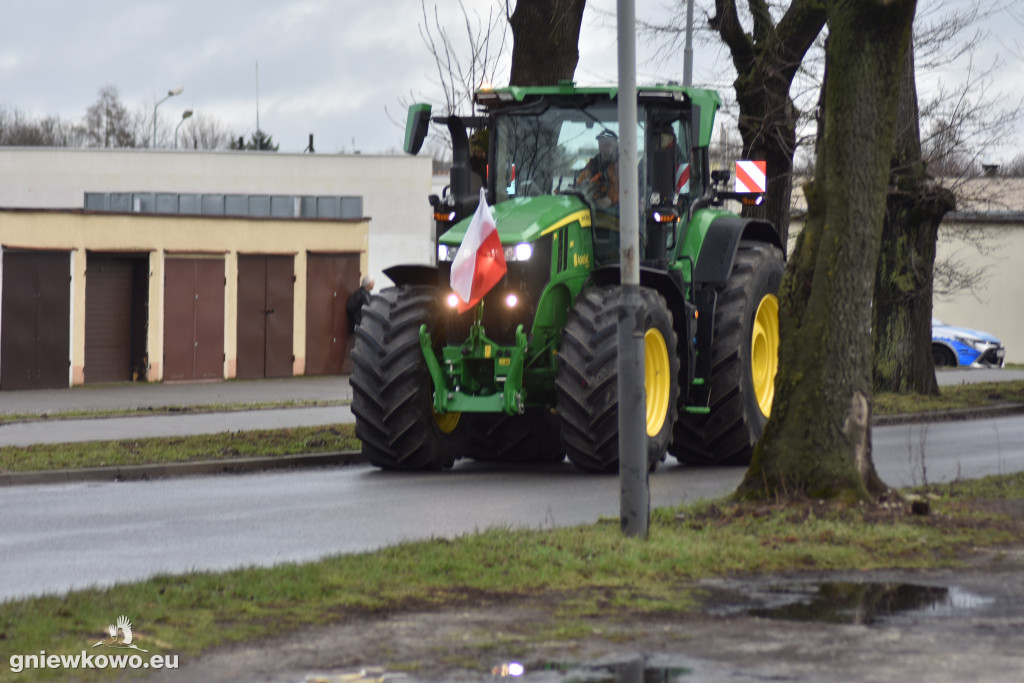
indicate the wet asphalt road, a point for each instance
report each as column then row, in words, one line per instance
column 58, row 537
column 65, row 536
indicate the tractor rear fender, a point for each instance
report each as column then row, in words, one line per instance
column 714, row 265
column 413, row 274
column 718, row 250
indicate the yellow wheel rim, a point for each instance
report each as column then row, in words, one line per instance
column 764, row 352
column 657, row 381
column 446, row 422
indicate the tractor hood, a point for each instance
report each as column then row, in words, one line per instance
column 525, row 219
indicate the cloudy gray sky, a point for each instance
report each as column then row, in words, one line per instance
column 328, row 67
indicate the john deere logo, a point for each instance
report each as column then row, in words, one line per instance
column 120, row 635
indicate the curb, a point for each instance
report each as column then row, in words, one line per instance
column 179, row 469
column 956, row 415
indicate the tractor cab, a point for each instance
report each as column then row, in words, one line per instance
column 563, row 140
column 555, row 144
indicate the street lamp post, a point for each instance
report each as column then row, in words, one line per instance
column 170, row 93
column 187, row 113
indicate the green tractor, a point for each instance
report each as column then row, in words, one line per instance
column 530, row 373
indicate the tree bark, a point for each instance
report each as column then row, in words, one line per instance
column 766, row 61
column 817, row 442
column 902, row 312
column 545, row 41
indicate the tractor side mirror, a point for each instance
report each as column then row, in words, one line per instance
column 416, row 126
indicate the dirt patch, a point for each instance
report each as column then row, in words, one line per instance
column 719, row 640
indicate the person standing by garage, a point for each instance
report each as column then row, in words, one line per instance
column 359, row 298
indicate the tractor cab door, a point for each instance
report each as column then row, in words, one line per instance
column 669, row 179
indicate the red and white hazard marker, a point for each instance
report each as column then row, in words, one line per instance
column 683, row 179
column 751, row 176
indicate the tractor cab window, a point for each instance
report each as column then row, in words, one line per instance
column 563, row 147
column 541, row 151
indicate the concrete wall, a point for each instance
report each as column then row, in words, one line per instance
column 996, row 305
column 181, row 235
column 394, row 188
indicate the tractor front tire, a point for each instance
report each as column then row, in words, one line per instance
column 744, row 358
column 588, row 378
column 391, row 387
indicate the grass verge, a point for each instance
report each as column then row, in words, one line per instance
column 9, row 418
column 954, row 397
column 297, row 440
column 580, row 572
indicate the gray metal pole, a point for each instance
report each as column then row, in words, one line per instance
column 170, row 93
column 634, row 493
column 688, row 48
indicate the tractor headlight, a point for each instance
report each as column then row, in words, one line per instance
column 445, row 253
column 519, row 252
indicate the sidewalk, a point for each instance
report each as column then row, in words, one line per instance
column 129, row 396
column 60, row 429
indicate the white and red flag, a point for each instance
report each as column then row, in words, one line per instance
column 480, row 262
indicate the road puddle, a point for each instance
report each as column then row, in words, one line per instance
column 633, row 671
column 864, row 603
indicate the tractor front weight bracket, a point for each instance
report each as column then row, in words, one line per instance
column 455, row 387
column 436, row 373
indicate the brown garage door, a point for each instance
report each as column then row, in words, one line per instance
column 36, row 313
column 266, row 287
column 116, row 293
column 193, row 319
column 330, row 279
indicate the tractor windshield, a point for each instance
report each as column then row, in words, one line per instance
column 544, row 151
column 567, row 147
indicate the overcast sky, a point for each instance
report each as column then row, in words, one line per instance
column 333, row 68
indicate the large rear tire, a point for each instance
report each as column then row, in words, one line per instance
column 744, row 358
column 587, row 381
column 391, row 387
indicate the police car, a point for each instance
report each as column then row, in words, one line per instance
column 962, row 347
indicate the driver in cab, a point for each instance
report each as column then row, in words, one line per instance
column 600, row 177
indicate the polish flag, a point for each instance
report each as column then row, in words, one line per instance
column 480, row 261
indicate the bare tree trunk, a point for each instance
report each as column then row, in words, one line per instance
column 766, row 60
column 818, row 439
column 902, row 311
column 545, row 41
